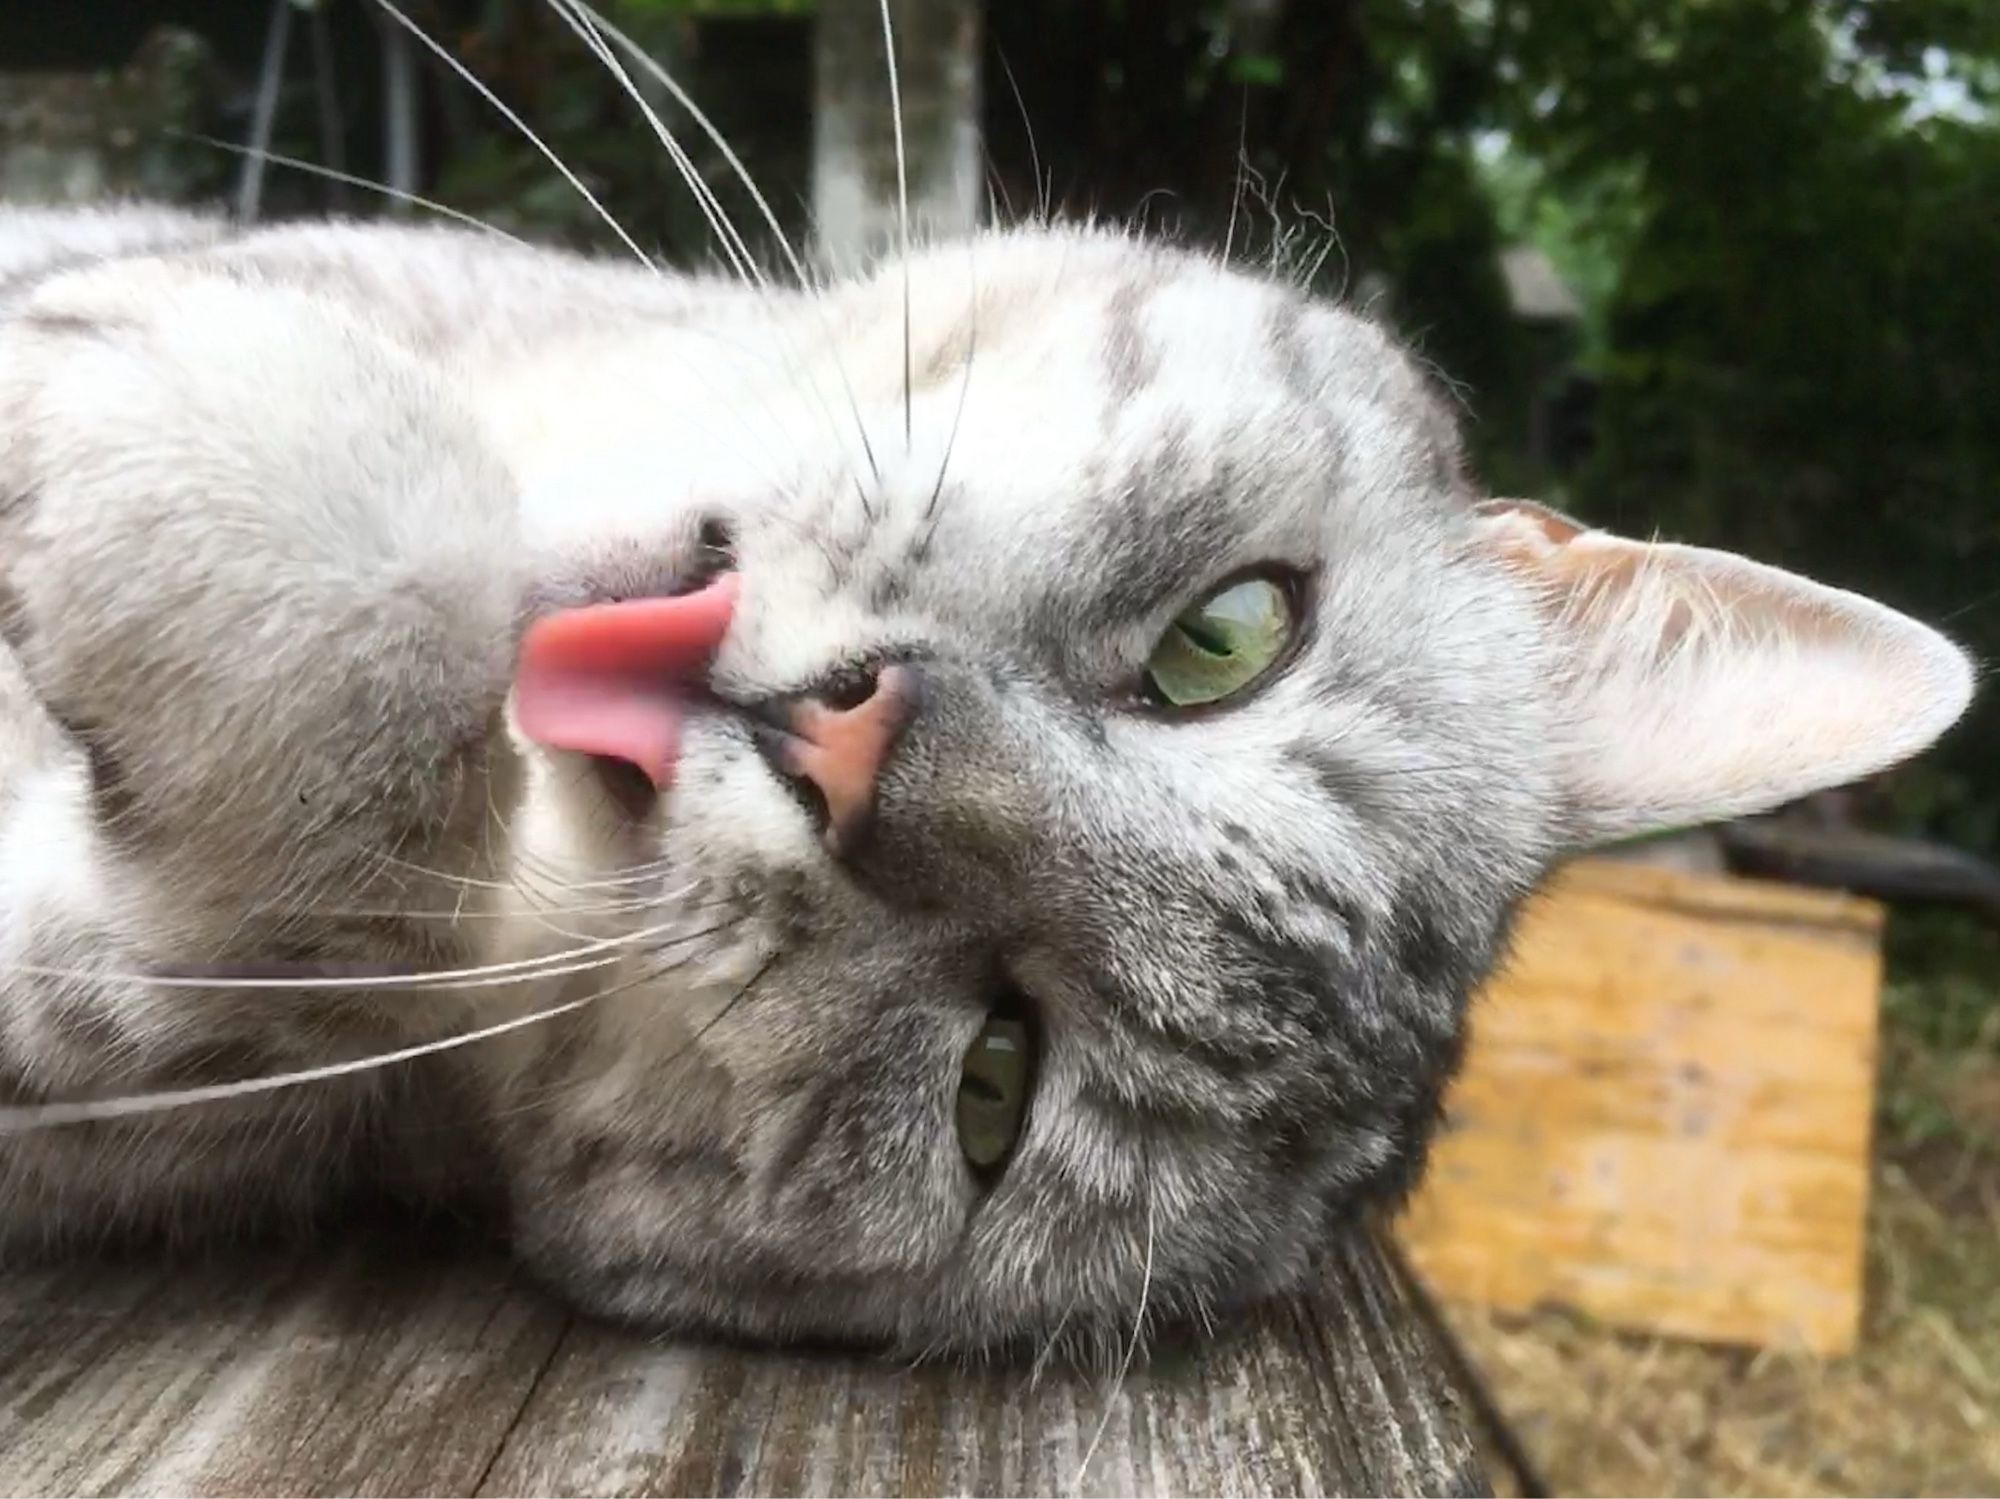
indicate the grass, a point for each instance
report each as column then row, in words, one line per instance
column 1916, row 1409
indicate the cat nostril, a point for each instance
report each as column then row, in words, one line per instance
column 715, row 554
column 716, row 536
column 848, row 690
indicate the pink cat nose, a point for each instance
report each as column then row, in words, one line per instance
column 838, row 743
column 615, row 679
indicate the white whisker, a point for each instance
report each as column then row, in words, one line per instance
column 456, row 914
column 902, row 212
column 999, row 202
column 721, row 142
column 666, row 80
column 551, row 1090
column 733, row 244
column 1048, row 1349
column 1236, row 187
column 590, row 29
column 964, row 387
column 1131, row 1351
column 551, row 875
column 1044, row 190
column 481, row 976
column 332, row 174
column 21, row 1119
column 636, row 874
column 443, row 54
column 546, row 893
column 43, row 1116
column 329, row 976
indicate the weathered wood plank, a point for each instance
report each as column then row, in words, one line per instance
column 381, row 1370
column 1664, row 1114
column 366, row 1373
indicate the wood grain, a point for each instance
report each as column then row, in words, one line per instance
column 393, row 1369
column 1664, row 1115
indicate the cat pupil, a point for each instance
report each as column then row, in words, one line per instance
column 993, row 1086
column 1210, row 641
column 983, row 1090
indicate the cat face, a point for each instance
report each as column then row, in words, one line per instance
column 1140, row 957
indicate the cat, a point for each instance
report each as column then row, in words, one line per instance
column 931, row 842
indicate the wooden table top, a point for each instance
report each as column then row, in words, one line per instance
column 396, row 1367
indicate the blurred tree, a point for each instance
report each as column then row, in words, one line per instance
column 81, row 137
column 856, row 200
column 1336, row 135
column 1797, row 356
column 746, row 62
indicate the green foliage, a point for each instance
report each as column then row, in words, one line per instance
column 1946, row 992
column 1795, row 345
column 1941, row 1037
column 745, row 60
column 1586, row 229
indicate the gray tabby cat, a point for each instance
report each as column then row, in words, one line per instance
column 932, row 844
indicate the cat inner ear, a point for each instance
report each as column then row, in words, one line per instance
column 1694, row 685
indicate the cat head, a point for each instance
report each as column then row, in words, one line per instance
column 1204, row 724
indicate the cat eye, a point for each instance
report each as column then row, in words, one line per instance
column 1222, row 645
column 994, row 1082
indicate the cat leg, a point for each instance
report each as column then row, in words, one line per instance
column 258, row 585
column 79, row 1020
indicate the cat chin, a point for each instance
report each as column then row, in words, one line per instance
column 644, row 1299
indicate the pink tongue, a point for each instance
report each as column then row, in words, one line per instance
column 613, row 679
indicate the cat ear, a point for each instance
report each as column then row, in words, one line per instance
column 1697, row 685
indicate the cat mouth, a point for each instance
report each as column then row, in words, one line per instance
column 617, row 681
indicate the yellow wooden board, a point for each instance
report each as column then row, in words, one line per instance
column 1664, row 1116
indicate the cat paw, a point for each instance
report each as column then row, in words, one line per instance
column 257, row 559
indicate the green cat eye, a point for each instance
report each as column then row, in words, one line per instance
column 993, row 1086
column 1221, row 645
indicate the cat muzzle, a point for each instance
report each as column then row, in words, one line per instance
column 618, row 681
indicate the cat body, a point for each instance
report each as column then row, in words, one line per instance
column 279, row 509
